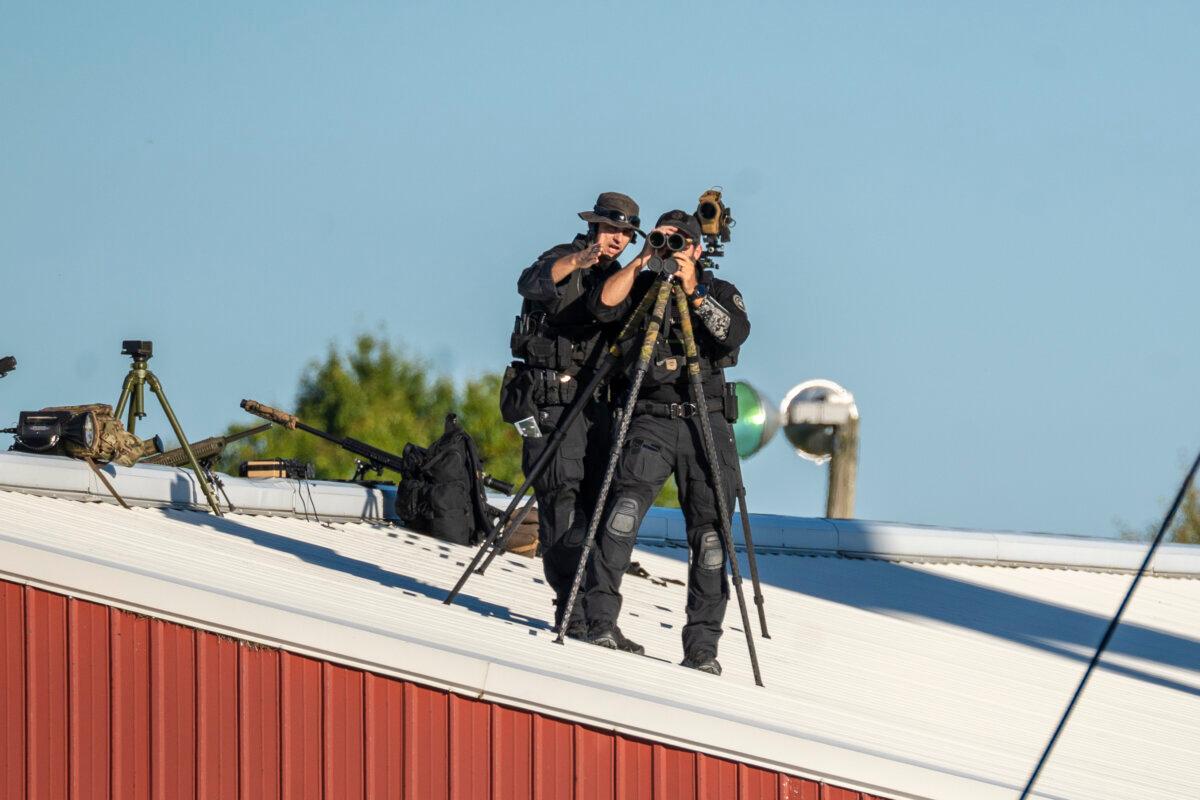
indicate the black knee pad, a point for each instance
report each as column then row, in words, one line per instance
column 712, row 554
column 575, row 536
column 623, row 519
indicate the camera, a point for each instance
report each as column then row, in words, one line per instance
column 140, row 349
column 672, row 243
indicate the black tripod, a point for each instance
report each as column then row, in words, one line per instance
column 659, row 321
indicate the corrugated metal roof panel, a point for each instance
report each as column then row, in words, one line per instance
column 922, row 680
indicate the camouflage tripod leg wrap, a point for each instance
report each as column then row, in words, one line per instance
column 657, row 322
column 506, row 524
column 714, row 465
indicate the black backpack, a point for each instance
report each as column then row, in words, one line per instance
column 441, row 492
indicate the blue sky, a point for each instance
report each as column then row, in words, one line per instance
column 979, row 218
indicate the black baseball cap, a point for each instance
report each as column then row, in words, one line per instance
column 682, row 220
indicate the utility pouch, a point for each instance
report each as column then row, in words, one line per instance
column 729, row 402
column 518, row 394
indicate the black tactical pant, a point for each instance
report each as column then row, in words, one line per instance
column 566, row 492
column 654, row 448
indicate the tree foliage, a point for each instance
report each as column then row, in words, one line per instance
column 1185, row 530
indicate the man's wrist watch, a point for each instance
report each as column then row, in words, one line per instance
column 700, row 293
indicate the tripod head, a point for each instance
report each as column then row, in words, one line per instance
column 140, row 349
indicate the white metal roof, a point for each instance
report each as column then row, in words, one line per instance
column 932, row 680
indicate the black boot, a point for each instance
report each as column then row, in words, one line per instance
column 703, row 661
column 610, row 636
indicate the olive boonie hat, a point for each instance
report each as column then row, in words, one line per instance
column 614, row 208
column 688, row 224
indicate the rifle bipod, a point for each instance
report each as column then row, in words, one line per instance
column 507, row 523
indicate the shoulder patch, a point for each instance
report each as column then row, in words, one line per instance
column 739, row 302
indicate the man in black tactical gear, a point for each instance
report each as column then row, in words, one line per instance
column 557, row 342
column 665, row 437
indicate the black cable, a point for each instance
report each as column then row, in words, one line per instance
column 1112, row 627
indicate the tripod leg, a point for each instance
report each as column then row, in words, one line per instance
column 714, row 465
column 758, row 597
column 156, row 387
column 126, row 389
column 107, row 485
column 658, row 320
column 504, row 527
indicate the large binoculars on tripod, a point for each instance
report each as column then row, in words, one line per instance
column 672, row 243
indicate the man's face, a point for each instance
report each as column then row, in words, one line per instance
column 612, row 240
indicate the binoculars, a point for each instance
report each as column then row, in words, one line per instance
column 672, row 243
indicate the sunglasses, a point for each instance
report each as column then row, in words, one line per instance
column 617, row 216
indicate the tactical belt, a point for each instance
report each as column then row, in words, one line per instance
column 668, row 410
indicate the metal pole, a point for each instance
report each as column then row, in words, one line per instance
column 1112, row 627
column 714, row 467
column 843, row 471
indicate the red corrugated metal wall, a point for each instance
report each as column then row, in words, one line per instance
column 101, row 704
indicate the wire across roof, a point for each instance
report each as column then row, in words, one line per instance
column 932, row 680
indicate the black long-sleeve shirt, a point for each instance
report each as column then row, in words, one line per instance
column 721, row 326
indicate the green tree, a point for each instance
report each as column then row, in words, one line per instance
column 1185, row 530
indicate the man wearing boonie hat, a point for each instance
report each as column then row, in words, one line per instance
column 665, row 437
column 556, row 344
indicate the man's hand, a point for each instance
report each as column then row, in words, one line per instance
column 588, row 257
column 687, row 271
column 580, row 259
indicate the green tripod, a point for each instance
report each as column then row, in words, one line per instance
column 133, row 391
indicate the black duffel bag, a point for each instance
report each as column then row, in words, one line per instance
column 441, row 493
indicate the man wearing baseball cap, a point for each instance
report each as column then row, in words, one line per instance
column 664, row 438
column 556, row 344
